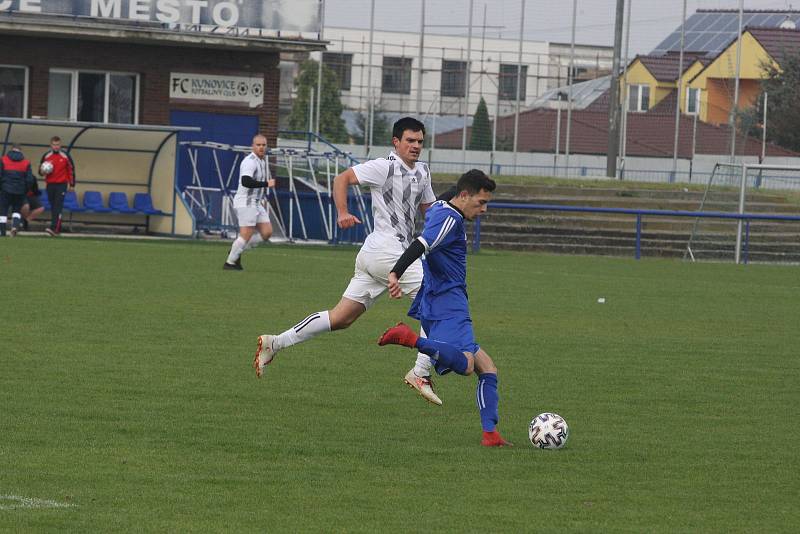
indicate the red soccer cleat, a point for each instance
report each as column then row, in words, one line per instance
column 494, row 439
column 400, row 334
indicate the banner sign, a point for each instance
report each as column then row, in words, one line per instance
column 277, row 15
column 230, row 89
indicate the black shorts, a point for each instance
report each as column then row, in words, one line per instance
column 34, row 203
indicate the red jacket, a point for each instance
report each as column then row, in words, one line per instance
column 63, row 168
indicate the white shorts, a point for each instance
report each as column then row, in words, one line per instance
column 252, row 215
column 372, row 276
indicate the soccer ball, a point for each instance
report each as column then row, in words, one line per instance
column 548, row 431
column 46, row 168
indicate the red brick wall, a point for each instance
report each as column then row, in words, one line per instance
column 153, row 64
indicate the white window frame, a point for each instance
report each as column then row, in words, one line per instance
column 73, row 104
column 696, row 100
column 638, row 88
column 25, row 89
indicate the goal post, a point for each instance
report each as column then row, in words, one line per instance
column 730, row 187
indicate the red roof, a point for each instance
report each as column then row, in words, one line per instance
column 649, row 134
column 665, row 68
column 777, row 41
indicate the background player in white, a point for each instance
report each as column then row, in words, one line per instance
column 254, row 179
column 399, row 185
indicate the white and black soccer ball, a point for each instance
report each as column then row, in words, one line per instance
column 548, row 431
column 45, row 168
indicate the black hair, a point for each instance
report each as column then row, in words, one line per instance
column 473, row 181
column 407, row 123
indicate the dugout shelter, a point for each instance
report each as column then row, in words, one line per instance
column 108, row 158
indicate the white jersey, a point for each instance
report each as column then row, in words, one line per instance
column 397, row 191
column 258, row 170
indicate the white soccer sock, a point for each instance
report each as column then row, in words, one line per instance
column 254, row 241
column 314, row 324
column 236, row 249
column 423, row 365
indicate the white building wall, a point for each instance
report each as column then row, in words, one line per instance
column 486, row 57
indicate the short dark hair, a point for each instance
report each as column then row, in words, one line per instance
column 407, row 123
column 55, row 138
column 473, row 181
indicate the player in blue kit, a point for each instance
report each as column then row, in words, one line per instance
column 441, row 304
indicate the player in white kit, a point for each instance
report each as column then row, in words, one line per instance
column 249, row 203
column 399, row 184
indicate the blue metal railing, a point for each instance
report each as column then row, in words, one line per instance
column 639, row 213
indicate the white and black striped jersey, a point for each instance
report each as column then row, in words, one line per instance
column 258, row 170
column 397, row 191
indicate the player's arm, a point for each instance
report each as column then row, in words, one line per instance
column 341, row 184
column 71, row 170
column 414, row 251
column 252, row 183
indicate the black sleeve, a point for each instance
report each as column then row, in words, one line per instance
column 248, row 181
column 447, row 195
column 414, row 251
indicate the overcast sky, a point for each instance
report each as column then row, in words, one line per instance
column 545, row 20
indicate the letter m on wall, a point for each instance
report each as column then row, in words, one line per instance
column 107, row 8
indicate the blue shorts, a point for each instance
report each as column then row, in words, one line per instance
column 456, row 331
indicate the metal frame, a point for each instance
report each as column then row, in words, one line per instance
column 639, row 213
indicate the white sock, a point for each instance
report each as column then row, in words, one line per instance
column 314, row 324
column 254, row 241
column 236, row 250
column 423, row 365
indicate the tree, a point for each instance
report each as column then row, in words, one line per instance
column 782, row 85
column 331, row 124
column 481, row 134
column 381, row 129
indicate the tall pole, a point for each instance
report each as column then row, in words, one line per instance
column 623, row 132
column 421, row 58
column 466, row 86
column 736, row 86
column 679, row 96
column 319, row 72
column 569, row 86
column 368, row 123
column 764, row 131
column 613, row 101
column 519, row 84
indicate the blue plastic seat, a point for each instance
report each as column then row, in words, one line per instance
column 143, row 203
column 44, row 200
column 93, row 201
column 71, row 202
column 119, row 202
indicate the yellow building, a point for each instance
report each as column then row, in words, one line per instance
column 709, row 83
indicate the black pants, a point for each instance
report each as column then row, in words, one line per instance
column 13, row 201
column 56, row 193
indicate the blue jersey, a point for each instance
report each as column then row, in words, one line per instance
column 443, row 294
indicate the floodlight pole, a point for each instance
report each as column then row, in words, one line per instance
column 368, row 119
column 742, row 189
column 519, row 84
column 319, row 71
column 736, row 85
column 623, row 131
column 569, row 86
column 679, row 95
column 466, row 85
column 421, row 58
column 613, row 101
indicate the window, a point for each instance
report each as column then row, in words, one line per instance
column 692, row 100
column 396, row 75
column 93, row 96
column 454, row 78
column 13, row 91
column 508, row 82
column 342, row 65
column 638, row 97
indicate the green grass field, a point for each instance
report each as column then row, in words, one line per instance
column 127, row 400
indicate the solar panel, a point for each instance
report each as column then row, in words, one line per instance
column 710, row 31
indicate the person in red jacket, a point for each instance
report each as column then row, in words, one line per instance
column 60, row 177
column 16, row 179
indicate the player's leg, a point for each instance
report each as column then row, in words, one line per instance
column 445, row 355
column 246, row 217
column 56, row 193
column 263, row 234
column 3, row 212
column 419, row 376
column 487, row 399
column 17, row 201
